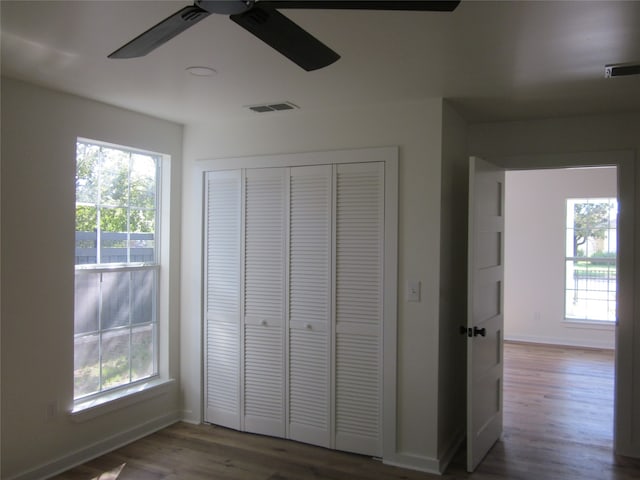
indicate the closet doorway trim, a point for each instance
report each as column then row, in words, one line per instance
column 389, row 156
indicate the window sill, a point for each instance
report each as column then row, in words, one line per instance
column 589, row 324
column 112, row 401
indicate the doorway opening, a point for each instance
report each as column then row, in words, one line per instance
column 559, row 330
column 623, row 424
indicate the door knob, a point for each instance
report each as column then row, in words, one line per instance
column 473, row 332
column 479, row 331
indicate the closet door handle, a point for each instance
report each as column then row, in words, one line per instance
column 263, row 323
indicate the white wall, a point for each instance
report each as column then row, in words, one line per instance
column 39, row 131
column 539, row 143
column 535, row 222
column 417, row 130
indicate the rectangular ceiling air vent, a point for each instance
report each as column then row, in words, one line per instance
column 621, row 70
column 272, row 107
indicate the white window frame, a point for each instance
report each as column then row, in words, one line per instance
column 587, row 319
column 91, row 405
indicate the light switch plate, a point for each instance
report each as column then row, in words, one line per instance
column 413, row 290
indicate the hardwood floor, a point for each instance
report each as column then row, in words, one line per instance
column 558, row 412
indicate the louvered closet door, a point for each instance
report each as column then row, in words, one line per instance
column 309, row 370
column 358, row 307
column 264, row 301
column 222, row 297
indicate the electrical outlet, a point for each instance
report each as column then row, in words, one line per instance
column 413, row 290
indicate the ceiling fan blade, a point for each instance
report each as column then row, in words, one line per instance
column 409, row 5
column 161, row 33
column 286, row 37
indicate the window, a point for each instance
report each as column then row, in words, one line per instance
column 116, row 258
column 590, row 261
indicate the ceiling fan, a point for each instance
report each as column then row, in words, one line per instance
column 263, row 20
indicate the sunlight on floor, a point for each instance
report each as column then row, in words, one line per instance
column 111, row 474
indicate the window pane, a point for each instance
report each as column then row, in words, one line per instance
column 142, row 364
column 142, row 221
column 113, row 235
column 114, row 178
column 142, row 247
column 87, row 302
column 115, row 299
column 87, row 157
column 86, row 359
column 142, row 237
column 86, row 238
column 142, row 305
column 575, row 305
column 143, row 181
column 115, row 358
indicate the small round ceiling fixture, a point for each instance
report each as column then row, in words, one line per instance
column 198, row 71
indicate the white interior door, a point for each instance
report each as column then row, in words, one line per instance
column 264, row 301
column 484, row 309
column 310, row 390
column 359, row 251
column 222, row 298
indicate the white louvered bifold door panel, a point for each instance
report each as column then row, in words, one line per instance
column 264, row 301
column 222, row 297
column 309, row 370
column 359, row 246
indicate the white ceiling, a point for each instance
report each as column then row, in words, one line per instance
column 495, row 60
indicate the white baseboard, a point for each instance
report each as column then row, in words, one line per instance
column 428, row 464
column 414, row 462
column 97, row 449
column 561, row 342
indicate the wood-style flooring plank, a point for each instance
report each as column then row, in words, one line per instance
column 558, row 424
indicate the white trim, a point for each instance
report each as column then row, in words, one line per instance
column 109, row 400
column 360, row 155
column 120, row 398
column 608, row 325
column 414, row 462
column 428, row 464
column 389, row 157
column 116, row 267
column 97, row 449
column 562, row 342
column 165, row 301
column 118, row 146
